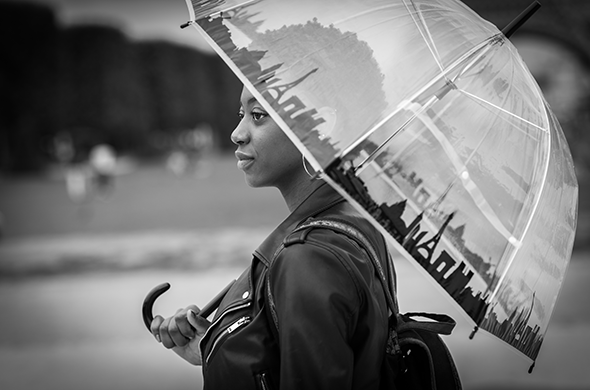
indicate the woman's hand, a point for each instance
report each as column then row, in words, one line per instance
column 182, row 333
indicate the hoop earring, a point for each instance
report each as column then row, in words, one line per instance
column 305, row 167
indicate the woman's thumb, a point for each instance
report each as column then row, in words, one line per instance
column 199, row 323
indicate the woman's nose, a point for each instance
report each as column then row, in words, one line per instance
column 240, row 135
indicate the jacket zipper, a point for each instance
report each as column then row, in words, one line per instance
column 237, row 324
column 229, row 310
column 263, row 383
column 232, row 328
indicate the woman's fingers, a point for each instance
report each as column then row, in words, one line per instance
column 197, row 322
column 178, row 339
column 181, row 332
column 183, row 323
column 165, row 338
column 180, row 329
column 155, row 327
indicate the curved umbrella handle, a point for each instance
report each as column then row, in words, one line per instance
column 160, row 289
column 148, row 303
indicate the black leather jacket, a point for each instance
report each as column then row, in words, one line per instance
column 330, row 308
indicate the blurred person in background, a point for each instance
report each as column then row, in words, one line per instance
column 192, row 152
column 75, row 173
column 103, row 164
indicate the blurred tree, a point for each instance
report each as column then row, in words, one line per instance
column 29, row 37
column 177, row 102
column 227, row 99
column 188, row 88
column 104, row 98
column 92, row 83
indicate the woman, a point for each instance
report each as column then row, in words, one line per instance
column 310, row 312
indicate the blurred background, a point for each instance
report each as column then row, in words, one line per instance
column 117, row 174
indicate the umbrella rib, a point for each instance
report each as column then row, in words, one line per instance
column 475, row 97
column 440, row 76
column 430, row 102
column 485, row 103
column 424, row 107
column 538, row 195
column 432, row 46
column 355, row 16
column 469, row 185
column 423, row 25
column 393, row 134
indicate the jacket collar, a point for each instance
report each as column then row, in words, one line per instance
column 322, row 198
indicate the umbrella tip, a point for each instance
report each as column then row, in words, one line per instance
column 185, row 25
column 531, row 368
column 473, row 332
column 521, row 19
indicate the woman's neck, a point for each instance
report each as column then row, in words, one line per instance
column 298, row 191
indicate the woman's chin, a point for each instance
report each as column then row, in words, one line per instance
column 254, row 182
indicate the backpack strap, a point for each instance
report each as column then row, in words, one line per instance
column 344, row 227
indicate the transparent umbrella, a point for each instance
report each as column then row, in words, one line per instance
column 423, row 115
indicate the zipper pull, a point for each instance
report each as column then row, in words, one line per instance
column 237, row 324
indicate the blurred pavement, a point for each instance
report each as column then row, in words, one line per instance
column 85, row 331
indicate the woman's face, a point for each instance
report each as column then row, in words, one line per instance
column 265, row 154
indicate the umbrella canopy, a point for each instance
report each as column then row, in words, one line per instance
column 424, row 116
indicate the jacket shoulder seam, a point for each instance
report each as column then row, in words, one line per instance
column 348, row 267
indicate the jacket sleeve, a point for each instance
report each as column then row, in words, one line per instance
column 316, row 300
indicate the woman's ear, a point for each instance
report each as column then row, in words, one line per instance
column 329, row 115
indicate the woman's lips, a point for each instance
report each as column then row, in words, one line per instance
column 244, row 160
column 244, row 164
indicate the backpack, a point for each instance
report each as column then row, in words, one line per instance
column 416, row 357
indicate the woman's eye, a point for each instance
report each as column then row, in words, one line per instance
column 257, row 116
column 241, row 114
